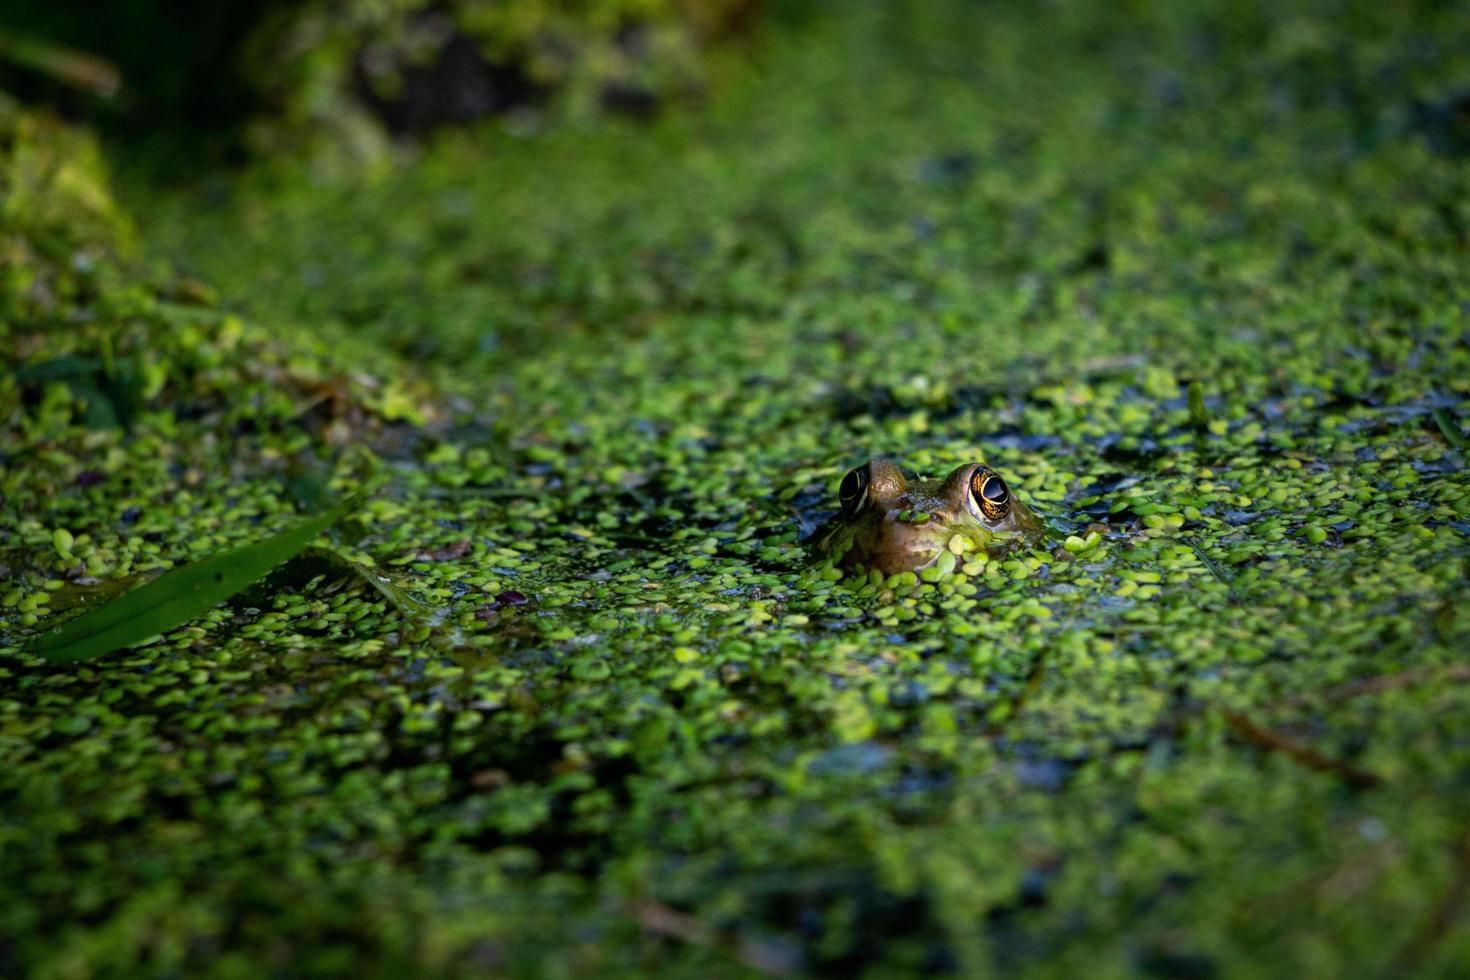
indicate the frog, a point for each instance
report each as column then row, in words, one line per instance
column 894, row 523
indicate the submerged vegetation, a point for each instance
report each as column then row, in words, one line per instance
column 572, row 691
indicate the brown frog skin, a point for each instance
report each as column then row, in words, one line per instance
column 896, row 525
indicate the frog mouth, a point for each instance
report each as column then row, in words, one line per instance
column 914, row 556
column 924, row 557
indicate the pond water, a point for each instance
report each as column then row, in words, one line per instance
column 600, row 385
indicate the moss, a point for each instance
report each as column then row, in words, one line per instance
column 340, row 78
column 59, row 226
column 635, row 729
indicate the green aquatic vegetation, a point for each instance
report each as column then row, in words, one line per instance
column 1218, row 724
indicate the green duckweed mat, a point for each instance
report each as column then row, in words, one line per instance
column 568, row 695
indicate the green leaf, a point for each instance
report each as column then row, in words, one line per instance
column 178, row 595
column 1451, row 429
column 67, row 368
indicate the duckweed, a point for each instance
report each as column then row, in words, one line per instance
column 1206, row 313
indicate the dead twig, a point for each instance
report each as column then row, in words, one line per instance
column 1341, row 883
column 768, row 958
column 1296, row 750
column 1374, row 685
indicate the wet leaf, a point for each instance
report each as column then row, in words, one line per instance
column 178, row 595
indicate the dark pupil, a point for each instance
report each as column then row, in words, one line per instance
column 994, row 490
column 852, row 485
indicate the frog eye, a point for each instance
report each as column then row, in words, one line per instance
column 853, row 492
column 989, row 494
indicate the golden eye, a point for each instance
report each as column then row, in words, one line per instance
column 853, row 492
column 990, row 494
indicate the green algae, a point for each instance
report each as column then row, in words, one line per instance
column 1211, row 324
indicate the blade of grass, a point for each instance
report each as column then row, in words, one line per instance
column 408, row 607
column 1296, row 750
column 1451, row 429
column 1210, row 566
column 178, row 595
column 75, row 68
